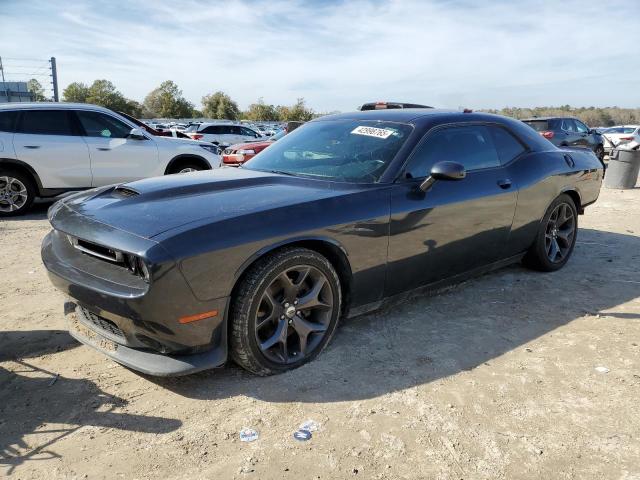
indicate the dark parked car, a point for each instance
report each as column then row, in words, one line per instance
column 390, row 105
column 174, row 274
column 568, row 132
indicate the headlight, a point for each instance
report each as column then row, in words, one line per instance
column 211, row 148
column 246, row 152
column 137, row 266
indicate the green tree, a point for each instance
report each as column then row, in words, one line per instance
column 297, row 112
column 75, row 92
column 105, row 94
column 167, row 101
column 220, row 105
column 260, row 111
column 35, row 87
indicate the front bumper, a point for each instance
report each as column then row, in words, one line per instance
column 141, row 360
column 135, row 323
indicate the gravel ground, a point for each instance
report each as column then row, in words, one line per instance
column 515, row 374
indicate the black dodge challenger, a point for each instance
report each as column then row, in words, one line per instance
column 171, row 275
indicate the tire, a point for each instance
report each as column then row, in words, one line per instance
column 186, row 168
column 560, row 226
column 17, row 193
column 261, row 312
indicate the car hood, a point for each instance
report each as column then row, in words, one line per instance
column 156, row 205
column 251, row 145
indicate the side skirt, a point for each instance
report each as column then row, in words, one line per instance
column 433, row 288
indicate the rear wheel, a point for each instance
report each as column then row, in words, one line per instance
column 17, row 193
column 285, row 311
column 556, row 236
column 187, row 167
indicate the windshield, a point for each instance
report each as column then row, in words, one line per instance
column 344, row 150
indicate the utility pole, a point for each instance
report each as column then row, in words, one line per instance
column 54, row 79
column 6, row 88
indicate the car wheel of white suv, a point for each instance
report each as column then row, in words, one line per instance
column 16, row 193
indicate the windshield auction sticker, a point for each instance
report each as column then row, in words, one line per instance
column 372, row 132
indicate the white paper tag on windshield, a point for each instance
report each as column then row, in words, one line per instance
column 372, row 132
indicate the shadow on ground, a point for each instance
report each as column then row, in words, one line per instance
column 427, row 339
column 38, row 408
column 38, row 211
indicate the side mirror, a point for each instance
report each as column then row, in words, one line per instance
column 443, row 171
column 137, row 134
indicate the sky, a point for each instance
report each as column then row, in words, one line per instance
column 338, row 54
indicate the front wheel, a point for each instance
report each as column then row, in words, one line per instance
column 188, row 167
column 16, row 193
column 556, row 236
column 285, row 311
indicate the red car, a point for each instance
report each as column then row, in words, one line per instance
column 241, row 152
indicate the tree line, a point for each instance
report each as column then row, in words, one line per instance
column 167, row 101
column 592, row 116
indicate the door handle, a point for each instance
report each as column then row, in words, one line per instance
column 504, row 183
column 104, row 149
column 32, row 146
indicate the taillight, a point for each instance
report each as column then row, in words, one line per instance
column 548, row 134
column 196, row 136
column 628, row 139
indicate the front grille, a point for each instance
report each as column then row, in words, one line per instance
column 102, row 324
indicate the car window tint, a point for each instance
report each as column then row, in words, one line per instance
column 45, row 122
column 7, row 121
column 507, row 145
column 224, row 130
column 568, row 125
column 97, row 124
column 472, row 146
column 580, row 127
column 247, row 132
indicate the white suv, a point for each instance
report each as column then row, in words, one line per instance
column 223, row 134
column 47, row 149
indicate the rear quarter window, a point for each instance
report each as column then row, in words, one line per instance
column 45, row 122
column 538, row 125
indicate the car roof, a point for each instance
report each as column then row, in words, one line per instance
column 49, row 105
column 405, row 115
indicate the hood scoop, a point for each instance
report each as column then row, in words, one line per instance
column 122, row 191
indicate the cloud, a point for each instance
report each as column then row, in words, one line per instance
column 340, row 54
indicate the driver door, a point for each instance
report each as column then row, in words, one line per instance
column 456, row 226
column 115, row 156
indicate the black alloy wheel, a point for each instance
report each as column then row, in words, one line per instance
column 284, row 311
column 560, row 230
column 294, row 314
column 556, row 236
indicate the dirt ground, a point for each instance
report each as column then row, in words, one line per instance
column 499, row 378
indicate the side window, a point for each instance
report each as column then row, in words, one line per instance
column 235, row 130
column 225, row 130
column 507, row 145
column 247, row 132
column 45, row 122
column 212, row 130
column 581, row 127
column 471, row 145
column 7, row 121
column 97, row 124
column 568, row 125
